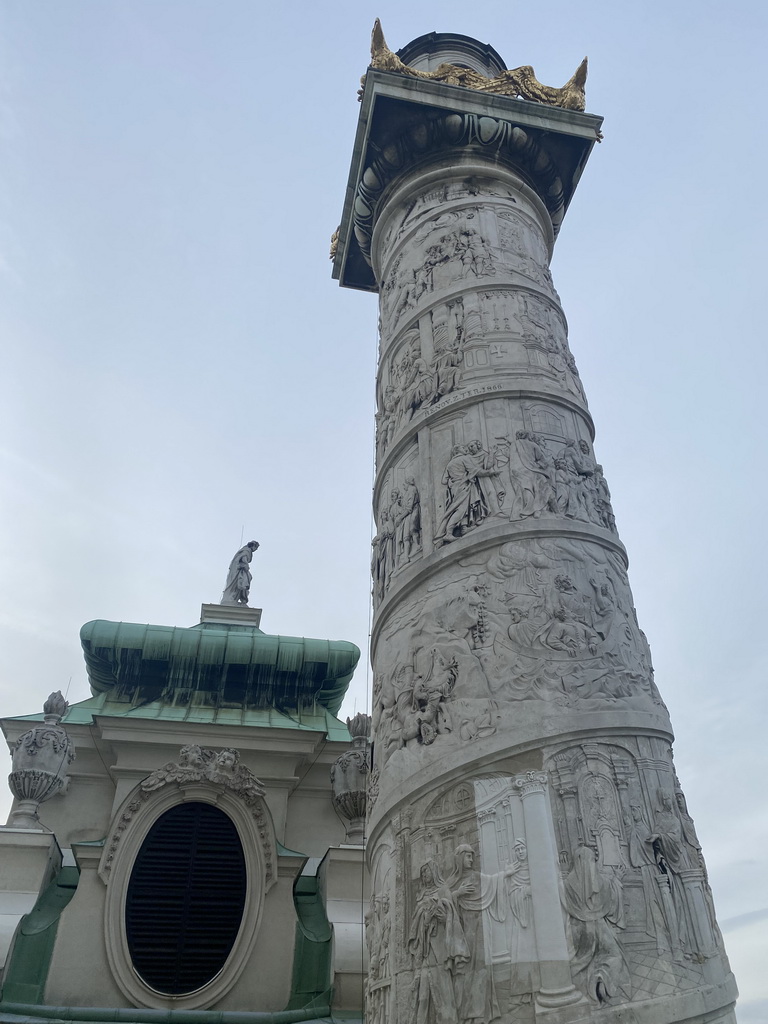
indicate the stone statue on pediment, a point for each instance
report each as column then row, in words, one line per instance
column 239, row 578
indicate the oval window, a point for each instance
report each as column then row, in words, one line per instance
column 185, row 898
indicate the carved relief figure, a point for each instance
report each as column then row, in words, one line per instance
column 378, row 926
column 395, row 516
column 570, row 628
column 568, row 483
column 547, row 619
column 437, row 677
column 537, row 476
column 446, row 373
column 489, row 485
column 382, row 554
column 660, row 916
column 476, row 894
column 409, row 524
column 673, row 857
column 472, row 252
column 593, row 899
column 419, row 710
column 689, row 831
column 414, row 383
column 387, row 419
column 377, row 933
column 399, row 536
column 543, row 328
column 465, row 499
column 439, row 950
column 198, row 764
column 417, row 383
column 668, row 836
column 522, row 946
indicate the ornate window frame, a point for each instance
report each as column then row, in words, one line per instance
column 131, row 825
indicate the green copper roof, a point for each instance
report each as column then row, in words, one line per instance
column 206, row 671
column 311, row 719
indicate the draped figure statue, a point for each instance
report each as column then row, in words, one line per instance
column 239, row 577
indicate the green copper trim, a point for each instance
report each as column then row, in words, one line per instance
column 32, row 950
column 313, row 719
column 24, row 1013
column 223, row 667
column 311, row 980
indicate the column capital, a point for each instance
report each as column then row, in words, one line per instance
column 531, row 782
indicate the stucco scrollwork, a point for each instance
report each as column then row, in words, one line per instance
column 198, row 764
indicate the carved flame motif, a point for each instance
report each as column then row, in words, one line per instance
column 520, row 82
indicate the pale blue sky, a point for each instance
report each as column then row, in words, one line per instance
column 178, row 364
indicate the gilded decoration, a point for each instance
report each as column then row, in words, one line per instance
column 516, row 82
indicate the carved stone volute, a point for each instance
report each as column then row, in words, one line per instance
column 349, row 779
column 41, row 757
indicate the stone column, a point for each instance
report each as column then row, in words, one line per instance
column 504, row 641
column 557, row 989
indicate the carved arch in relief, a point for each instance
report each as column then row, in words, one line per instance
column 131, row 825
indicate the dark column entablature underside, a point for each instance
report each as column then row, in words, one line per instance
column 404, row 121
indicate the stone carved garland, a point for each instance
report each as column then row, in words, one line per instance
column 198, row 764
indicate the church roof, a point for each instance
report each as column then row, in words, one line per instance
column 101, row 705
column 211, row 672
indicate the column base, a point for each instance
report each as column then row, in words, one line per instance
column 553, row 999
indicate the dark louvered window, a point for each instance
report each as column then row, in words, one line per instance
column 185, row 898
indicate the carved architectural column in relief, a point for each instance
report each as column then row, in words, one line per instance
column 557, row 988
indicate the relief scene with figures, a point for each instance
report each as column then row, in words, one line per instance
column 632, row 900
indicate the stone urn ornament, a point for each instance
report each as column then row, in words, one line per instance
column 40, row 761
column 349, row 779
